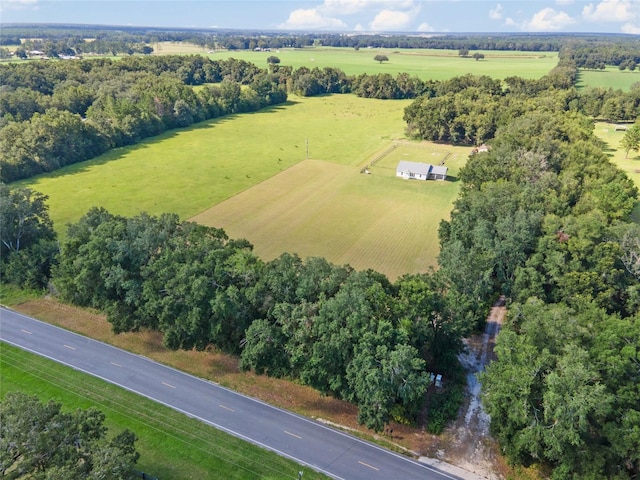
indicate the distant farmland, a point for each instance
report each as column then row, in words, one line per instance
column 427, row 64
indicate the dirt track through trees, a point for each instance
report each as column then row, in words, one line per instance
column 467, row 443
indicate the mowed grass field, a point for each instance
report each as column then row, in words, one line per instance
column 376, row 220
column 631, row 164
column 187, row 171
column 171, row 445
column 610, row 77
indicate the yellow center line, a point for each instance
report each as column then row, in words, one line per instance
column 293, row 435
column 168, row 385
column 25, row 331
column 370, row 466
column 226, row 408
column 69, row 347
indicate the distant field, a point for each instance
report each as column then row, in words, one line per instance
column 188, row 171
column 631, row 165
column 423, row 63
column 171, row 445
column 317, row 208
column 610, row 77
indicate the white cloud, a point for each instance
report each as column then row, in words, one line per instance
column 496, row 13
column 546, row 20
column 310, row 18
column 565, row 2
column 349, row 7
column 631, row 28
column 612, row 11
column 425, row 27
column 388, row 20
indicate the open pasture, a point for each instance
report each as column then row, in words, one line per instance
column 318, row 208
column 171, row 445
column 610, row 77
column 423, row 63
column 188, row 171
column 631, row 165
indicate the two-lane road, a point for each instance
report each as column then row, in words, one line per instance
column 308, row 442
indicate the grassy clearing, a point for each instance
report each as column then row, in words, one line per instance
column 187, row 171
column 376, row 221
column 610, row 77
column 171, row 444
column 631, row 165
column 423, row 63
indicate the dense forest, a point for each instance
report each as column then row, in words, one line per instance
column 542, row 218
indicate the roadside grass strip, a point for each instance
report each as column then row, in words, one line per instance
column 171, row 445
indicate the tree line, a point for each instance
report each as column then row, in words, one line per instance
column 471, row 109
column 351, row 334
column 56, row 114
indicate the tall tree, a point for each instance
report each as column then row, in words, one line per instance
column 631, row 139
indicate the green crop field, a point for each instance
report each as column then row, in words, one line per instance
column 610, row 77
column 171, row 445
column 631, row 165
column 422, row 63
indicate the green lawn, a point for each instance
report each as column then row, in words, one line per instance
column 631, row 165
column 423, row 63
column 172, row 445
column 610, row 77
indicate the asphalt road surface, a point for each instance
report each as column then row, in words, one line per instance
column 308, row 442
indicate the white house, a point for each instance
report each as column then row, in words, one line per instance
column 420, row 171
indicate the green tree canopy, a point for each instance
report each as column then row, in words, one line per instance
column 42, row 441
column 631, row 139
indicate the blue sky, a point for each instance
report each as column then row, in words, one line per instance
column 611, row 16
